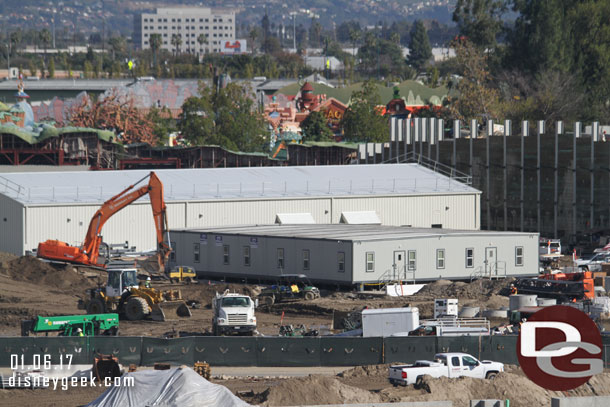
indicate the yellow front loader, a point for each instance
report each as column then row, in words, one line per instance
column 125, row 296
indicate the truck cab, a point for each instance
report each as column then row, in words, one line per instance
column 233, row 313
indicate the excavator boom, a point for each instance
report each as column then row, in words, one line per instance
column 88, row 253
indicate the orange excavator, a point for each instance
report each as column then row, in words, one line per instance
column 88, row 253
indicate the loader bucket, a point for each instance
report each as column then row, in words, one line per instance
column 169, row 308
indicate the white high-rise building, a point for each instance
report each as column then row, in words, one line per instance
column 216, row 26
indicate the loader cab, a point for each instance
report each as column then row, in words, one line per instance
column 120, row 280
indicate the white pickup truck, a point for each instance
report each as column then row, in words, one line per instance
column 445, row 364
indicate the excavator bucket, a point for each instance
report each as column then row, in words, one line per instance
column 169, row 308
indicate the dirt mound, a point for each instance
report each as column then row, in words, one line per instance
column 474, row 290
column 366, row 371
column 314, row 390
column 30, row 269
column 517, row 388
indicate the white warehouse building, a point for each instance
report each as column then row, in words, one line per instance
column 35, row 207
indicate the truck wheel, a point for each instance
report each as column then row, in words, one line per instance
column 420, row 384
column 309, row 296
column 491, row 375
column 95, row 306
column 269, row 300
column 136, row 308
column 174, row 280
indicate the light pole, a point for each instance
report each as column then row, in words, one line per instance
column 294, row 30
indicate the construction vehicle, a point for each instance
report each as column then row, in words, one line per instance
column 289, row 287
column 70, row 325
column 233, row 313
column 182, row 274
column 88, row 254
column 565, row 287
column 122, row 294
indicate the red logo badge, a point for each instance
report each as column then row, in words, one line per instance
column 560, row 348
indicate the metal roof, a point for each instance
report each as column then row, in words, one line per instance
column 343, row 232
column 206, row 184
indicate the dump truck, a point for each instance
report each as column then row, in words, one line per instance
column 72, row 325
column 450, row 365
column 233, row 313
column 124, row 295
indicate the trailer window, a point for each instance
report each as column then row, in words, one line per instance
column 196, row 248
column 519, row 256
column 440, row 258
column 370, row 262
column 246, row 255
column 412, row 259
column 469, row 257
column 305, row 259
column 341, row 262
column 225, row 254
column 280, row 258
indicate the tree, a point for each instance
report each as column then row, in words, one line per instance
column 354, row 36
column 476, row 99
column 315, row 127
column 118, row 45
column 155, row 44
column 162, row 123
column 420, row 51
column 52, row 68
column 314, row 33
column 202, row 39
column 177, row 43
column 265, row 26
column 32, row 67
column 253, row 36
column 363, row 121
column 225, row 117
column 87, row 69
column 45, row 39
column 479, row 20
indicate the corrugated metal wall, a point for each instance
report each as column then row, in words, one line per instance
column 134, row 223
column 451, row 211
column 11, row 226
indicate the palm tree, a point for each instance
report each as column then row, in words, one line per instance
column 253, row 35
column 176, row 42
column 155, row 44
column 45, row 38
column 354, row 35
column 118, row 45
column 202, row 39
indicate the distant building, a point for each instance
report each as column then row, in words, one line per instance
column 217, row 26
column 321, row 63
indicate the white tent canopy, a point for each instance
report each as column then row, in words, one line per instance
column 180, row 387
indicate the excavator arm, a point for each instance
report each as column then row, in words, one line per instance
column 89, row 252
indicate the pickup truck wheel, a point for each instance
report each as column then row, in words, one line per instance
column 491, row 375
column 420, row 384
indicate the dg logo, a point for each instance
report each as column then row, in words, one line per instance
column 560, row 348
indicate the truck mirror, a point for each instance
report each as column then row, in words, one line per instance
column 256, row 303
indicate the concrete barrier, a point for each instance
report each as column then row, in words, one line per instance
column 598, row 401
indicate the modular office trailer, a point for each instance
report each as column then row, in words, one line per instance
column 353, row 254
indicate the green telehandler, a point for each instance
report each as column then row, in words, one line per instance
column 73, row 325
